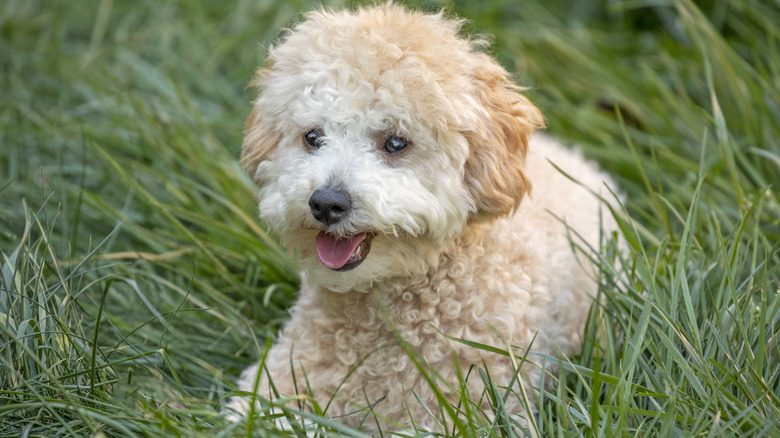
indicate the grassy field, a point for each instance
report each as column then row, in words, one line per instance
column 136, row 283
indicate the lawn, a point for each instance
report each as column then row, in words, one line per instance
column 136, row 281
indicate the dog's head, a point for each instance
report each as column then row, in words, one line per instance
column 377, row 136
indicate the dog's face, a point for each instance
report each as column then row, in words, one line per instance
column 377, row 136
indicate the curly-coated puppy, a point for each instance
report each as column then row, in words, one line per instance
column 395, row 161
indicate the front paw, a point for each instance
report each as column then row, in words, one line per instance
column 272, row 418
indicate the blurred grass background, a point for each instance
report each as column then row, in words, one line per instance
column 136, row 282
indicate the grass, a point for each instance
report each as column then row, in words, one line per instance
column 136, row 282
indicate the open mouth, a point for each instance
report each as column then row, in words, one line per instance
column 343, row 254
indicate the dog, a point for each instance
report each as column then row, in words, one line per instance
column 398, row 163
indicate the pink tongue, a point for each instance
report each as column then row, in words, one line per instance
column 334, row 253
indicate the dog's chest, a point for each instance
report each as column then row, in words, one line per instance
column 465, row 299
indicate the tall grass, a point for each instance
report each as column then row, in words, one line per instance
column 136, row 282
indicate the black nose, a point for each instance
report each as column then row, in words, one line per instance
column 329, row 206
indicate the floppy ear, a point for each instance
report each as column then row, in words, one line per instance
column 498, row 145
column 260, row 137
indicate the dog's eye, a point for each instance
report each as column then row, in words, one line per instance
column 313, row 138
column 395, row 144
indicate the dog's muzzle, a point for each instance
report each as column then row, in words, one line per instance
column 329, row 207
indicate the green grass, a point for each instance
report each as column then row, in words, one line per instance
column 136, row 282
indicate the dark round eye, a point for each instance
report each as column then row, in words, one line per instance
column 395, row 144
column 313, row 138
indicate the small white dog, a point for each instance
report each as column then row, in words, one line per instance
column 394, row 161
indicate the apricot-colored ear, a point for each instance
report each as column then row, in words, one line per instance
column 260, row 137
column 497, row 147
column 259, row 140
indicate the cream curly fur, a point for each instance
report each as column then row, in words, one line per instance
column 458, row 247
